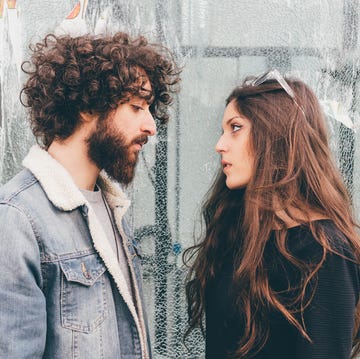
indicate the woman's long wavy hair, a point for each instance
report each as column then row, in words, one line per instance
column 293, row 168
column 89, row 73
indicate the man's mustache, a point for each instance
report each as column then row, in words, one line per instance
column 141, row 140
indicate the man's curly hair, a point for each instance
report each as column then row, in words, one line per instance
column 94, row 74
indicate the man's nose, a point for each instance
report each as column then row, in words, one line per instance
column 149, row 125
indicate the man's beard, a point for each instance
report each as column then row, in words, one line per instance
column 107, row 148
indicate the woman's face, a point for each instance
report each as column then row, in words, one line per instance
column 234, row 147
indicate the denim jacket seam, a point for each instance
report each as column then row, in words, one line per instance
column 36, row 236
column 21, row 210
column 65, row 256
column 32, row 181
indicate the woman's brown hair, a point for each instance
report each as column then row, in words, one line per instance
column 293, row 168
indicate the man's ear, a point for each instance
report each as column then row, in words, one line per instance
column 87, row 117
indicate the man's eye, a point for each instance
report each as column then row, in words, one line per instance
column 136, row 107
column 235, row 127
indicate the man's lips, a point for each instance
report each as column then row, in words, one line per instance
column 140, row 142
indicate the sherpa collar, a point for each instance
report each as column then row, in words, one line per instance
column 60, row 187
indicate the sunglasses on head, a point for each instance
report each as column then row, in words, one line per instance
column 275, row 75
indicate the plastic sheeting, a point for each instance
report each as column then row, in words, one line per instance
column 217, row 43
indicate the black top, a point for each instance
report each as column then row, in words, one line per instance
column 329, row 319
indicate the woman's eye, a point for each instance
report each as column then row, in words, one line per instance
column 235, row 127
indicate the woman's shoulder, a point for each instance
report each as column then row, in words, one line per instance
column 301, row 239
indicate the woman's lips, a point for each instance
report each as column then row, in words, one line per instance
column 226, row 165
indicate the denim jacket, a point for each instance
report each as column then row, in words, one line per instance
column 62, row 293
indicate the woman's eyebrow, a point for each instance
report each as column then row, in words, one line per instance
column 230, row 119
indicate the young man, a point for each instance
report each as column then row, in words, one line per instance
column 70, row 283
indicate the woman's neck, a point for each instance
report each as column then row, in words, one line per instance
column 293, row 216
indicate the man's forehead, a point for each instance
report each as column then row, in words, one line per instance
column 146, row 91
column 143, row 93
column 143, row 81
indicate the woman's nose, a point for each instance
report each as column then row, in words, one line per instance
column 220, row 146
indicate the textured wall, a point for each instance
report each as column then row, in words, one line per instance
column 217, row 42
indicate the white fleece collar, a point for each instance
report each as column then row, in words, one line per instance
column 60, row 187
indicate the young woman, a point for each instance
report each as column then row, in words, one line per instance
column 277, row 272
